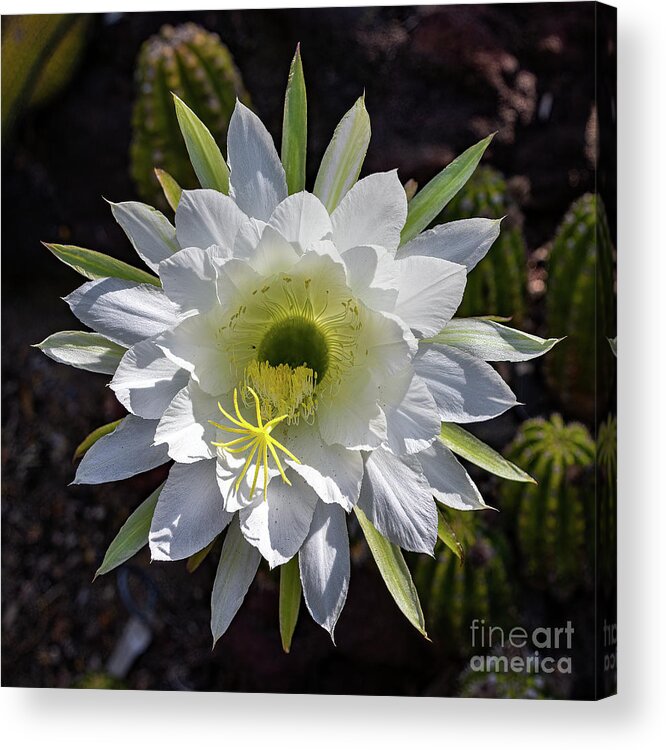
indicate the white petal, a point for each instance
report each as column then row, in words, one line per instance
column 396, row 498
column 235, row 572
column 324, row 565
column 126, row 451
column 373, row 212
column 430, row 291
column 123, row 311
column 193, row 345
column 372, row 274
column 189, row 512
column 257, row 181
column 273, row 254
column 332, row 471
column 385, row 345
column 152, row 235
column 185, row 427
column 412, row 417
column 83, row 349
column 146, row 381
column 248, row 237
column 188, row 278
column 278, row 524
column 207, row 217
column 352, row 417
column 301, row 219
column 449, row 482
column 466, row 389
column 464, row 242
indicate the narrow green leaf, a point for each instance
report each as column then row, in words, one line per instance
column 193, row 561
column 491, row 341
column 133, row 535
column 205, row 155
column 295, row 127
column 94, row 265
column 475, row 451
column 395, row 573
column 427, row 204
column 171, row 189
column 82, row 349
column 94, row 436
column 344, row 156
column 448, row 537
column 290, row 601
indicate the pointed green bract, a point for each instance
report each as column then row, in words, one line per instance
column 132, row 536
column 491, row 341
column 94, row 265
column 448, row 536
column 427, row 203
column 207, row 160
column 85, row 350
column 295, row 127
column 469, row 447
column 171, row 189
column 344, row 156
column 87, row 443
column 395, row 573
column 290, row 601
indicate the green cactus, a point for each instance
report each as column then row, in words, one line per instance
column 498, row 285
column 455, row 593
column 39, row 56
column 192, row 63
column 580, row 304
column 552, row 518
column 516, row 685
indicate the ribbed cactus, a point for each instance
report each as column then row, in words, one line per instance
column 194, row 64
column 580, row 304
column 552, row 518
column 498, row 285
column 453, row 594
column 607, row 494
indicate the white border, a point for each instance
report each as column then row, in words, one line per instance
column 90, row 719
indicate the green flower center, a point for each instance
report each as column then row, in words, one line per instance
column 295, row 342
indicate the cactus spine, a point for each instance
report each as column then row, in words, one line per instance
column 552, row 518
column 194, row 64
column 580, row 290
column 498, row 285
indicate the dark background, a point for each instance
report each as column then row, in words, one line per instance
column 437, row 79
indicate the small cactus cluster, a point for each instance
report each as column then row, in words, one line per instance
column 192, row 63
column 580, row 291
column 499, row 283
column 454, row 593
column 552, row 518
column 514, row 685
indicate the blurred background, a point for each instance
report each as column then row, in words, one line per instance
column 86, row 113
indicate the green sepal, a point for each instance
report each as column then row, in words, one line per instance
column 295, row 127
column 207, row 160
column 133, row 535
column 94, row 265
column 395, row 573
column 428, row 203
column 95, row 435
column 290, row 601
column 469, row 447
column 171, row 189
column 448, row 537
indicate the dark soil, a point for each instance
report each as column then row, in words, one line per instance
column 436, row 80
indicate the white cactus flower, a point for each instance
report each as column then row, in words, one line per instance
column 296, row 362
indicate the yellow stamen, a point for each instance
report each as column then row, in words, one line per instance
column 283, row 390
column 254, row 438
